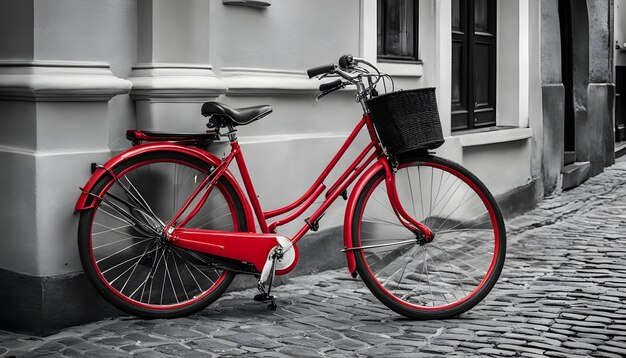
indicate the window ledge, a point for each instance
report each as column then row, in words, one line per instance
column 401, row 69
column 499, row 135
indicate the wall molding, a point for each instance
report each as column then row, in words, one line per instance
column 244, row 81
column 175, row 82
column 493, row 137
column 65, row 81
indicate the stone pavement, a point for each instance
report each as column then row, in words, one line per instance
column 562, row 293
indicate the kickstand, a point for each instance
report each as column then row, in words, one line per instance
column 266, row 295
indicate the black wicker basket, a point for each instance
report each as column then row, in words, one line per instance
column 407, row 120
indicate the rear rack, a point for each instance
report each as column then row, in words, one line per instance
column 201, row 140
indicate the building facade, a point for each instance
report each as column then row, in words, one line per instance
column 525, row 97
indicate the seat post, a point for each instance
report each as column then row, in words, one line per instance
column 232, row 133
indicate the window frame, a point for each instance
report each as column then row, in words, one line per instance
column 395, row 58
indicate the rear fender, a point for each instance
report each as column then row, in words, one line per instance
column 351, row 212
column 87, row 201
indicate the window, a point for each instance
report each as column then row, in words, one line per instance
column 397, row 30
column 473, row 64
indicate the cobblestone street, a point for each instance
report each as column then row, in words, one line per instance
column 562, row 293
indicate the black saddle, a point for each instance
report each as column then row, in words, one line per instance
column 223, row 115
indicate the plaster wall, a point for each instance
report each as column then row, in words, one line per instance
column 595, row 132
column 620, row 31
column 182, row 31
column 47, row 163
column 272, row 38
column 600, row 41
column 551, row 124
column 508, row 166
column 91, row 30
column 47, row 146
column 290, row 34
column 550, row 42
column 535, row 99
column 508, row 105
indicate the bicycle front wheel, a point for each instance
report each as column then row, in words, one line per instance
column 122, row 246
column 441, row 278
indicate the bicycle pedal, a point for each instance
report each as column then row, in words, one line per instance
column 263, row 297
column 272, row 306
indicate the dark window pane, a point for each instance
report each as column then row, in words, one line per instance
column 473, row 63
column 397, row 29
column 380, row 24
column 456, row 15
column 481, row 16
column 457, row 59
column 482, row 64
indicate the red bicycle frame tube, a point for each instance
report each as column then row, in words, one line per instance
column 363, row 161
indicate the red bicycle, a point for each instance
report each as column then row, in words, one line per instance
column 165, row 226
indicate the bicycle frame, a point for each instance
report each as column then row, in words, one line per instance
column 254, row 247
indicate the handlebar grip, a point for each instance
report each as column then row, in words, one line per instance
column 320, row 70
column 330, row 85
column 346, row 60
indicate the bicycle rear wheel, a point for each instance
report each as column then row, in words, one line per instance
column 123, row 251
column 448, row 275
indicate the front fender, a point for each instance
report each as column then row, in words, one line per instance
column 86, row 201
column 351, row 212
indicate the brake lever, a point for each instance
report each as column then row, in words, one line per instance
column 327, row 75
column 327, row 92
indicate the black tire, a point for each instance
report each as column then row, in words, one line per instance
column 194, row 283
column 465, row 244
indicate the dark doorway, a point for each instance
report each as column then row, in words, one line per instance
column 567, row 71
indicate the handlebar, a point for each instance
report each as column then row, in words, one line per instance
column 351, row 71
column 321, row 70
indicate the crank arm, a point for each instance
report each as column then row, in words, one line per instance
column 284, row 245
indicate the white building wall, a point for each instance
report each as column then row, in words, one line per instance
column 261, row 55
column 75, row 61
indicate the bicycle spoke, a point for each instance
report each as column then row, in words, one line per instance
column 196, row 267
column 109, row 229
column 457, row 208
column 428, row 256
column 452, row 269
column 197, row 220
column 169, row 274
column 141, row 200
column 384, row 221
column 121, row 263
column 404, row 269
column 120, row 251
column 134, row 267
column 182, row 284
column 188, row 269
column 152, row 276
column 124, row 239
column 419, row 176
